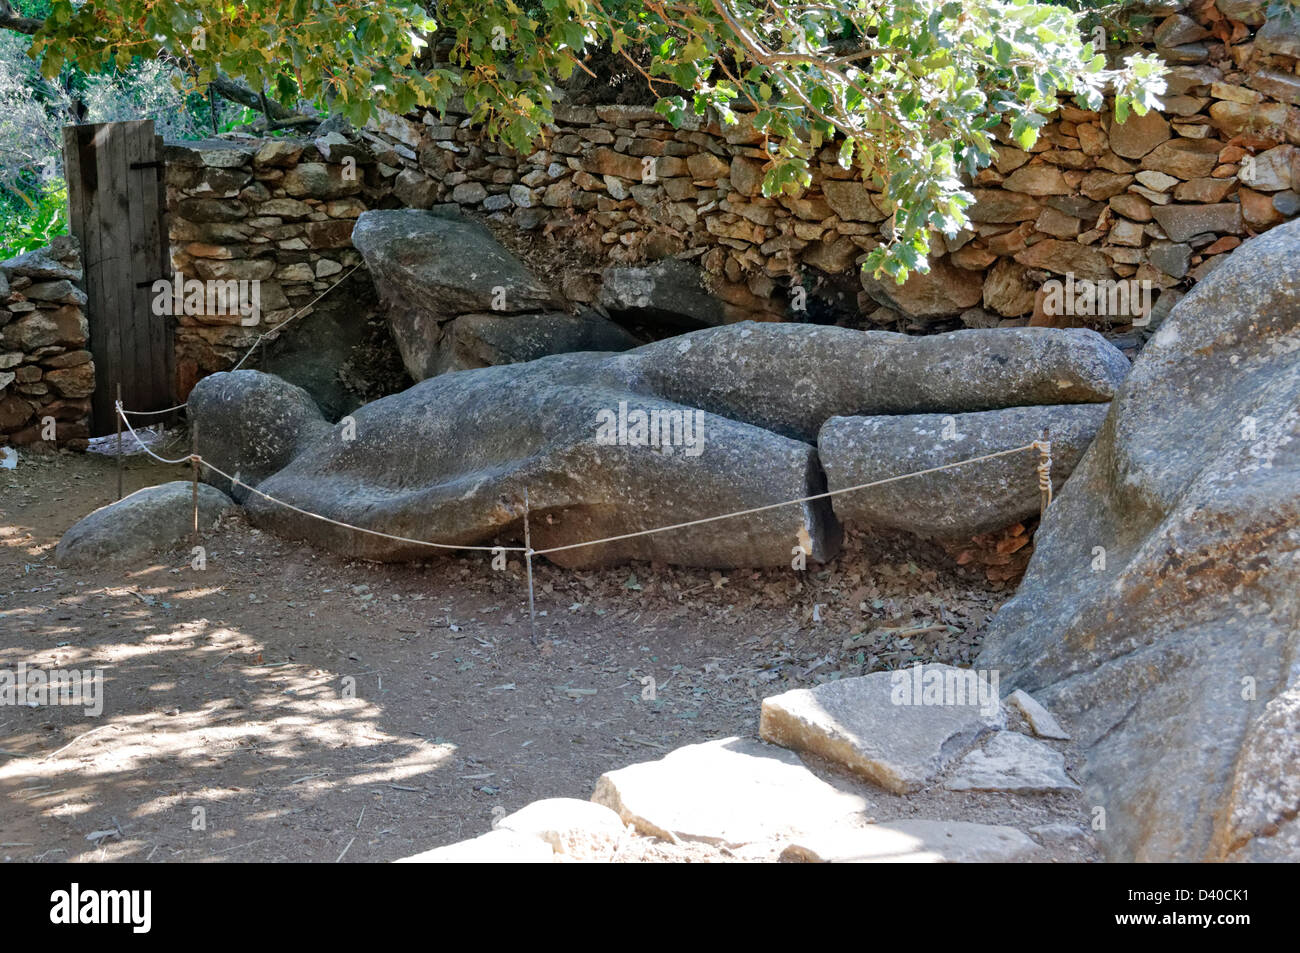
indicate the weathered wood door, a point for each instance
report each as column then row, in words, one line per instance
column 116, row 208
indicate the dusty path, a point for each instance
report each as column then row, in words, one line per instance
column 285, row 704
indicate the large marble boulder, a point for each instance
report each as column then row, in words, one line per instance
column 1161, row 611
column 608, row 444
column 456, row 298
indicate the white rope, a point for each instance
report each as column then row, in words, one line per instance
column 1044, row 448
column 188, row 458
column 772, row 506
column 293, row 317
column 153, row 413
column 528, row 550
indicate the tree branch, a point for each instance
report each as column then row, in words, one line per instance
column 10, row 20
column 239, row 93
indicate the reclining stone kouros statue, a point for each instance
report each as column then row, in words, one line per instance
column 744, row 416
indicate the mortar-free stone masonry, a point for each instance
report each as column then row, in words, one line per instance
column 1159, row 200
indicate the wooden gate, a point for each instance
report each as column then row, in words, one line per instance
column 116, row 208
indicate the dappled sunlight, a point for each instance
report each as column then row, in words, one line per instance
column 199, row 712
column 284, row 704
column 272, row 730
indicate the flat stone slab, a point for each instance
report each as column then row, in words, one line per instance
column 914, row 842
column 733, row 792
column 1014, row 763
column 578, row 830
column 896, row 729
column 153, row 520
column 1041, row 721
column 494, row 847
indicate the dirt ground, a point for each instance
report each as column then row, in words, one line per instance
column 286, row 704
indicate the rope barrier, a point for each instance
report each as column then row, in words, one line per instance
column 772, row 506
column 1044, row 448
column 1044, row 471
column 527, row 549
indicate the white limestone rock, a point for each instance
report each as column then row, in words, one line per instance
column 1014, row 763
column 896, row 729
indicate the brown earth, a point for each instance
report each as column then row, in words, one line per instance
column 228, row 688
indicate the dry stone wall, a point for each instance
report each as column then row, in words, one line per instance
column 278, row 212
column 1159, row 199
column 46, row 371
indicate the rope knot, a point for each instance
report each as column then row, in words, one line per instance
column 1044, row 448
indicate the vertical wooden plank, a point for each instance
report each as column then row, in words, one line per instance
column 115, row 257
column 167, row 325
column 107, row 370
column 141, row 193
column 72, row 174
column 76, row 193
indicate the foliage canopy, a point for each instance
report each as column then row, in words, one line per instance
column 907, row 91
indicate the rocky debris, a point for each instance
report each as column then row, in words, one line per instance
column 963, row 501
column 577, row 830
column 688, row 428
column 733, row 792
column 1041, row 721
column 494, row 847
column 668, row 293
column 1013, row 763
column 154, row 520
column 1001, row 556
column 914, row 842
column 896, row 729
column 46, row 372
column 1159, row 615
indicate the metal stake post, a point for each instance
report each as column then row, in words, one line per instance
column 528, row 562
